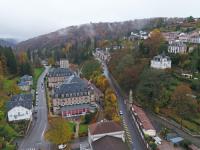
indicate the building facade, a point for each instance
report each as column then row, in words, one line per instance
column 57, row 76
column 101, row 54
column 177, row 47
column 143, row 121
column 27, row 78
column 73, row 97
column 64, row 63
column 20, row 107
column 161, row 62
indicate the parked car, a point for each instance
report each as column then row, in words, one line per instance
column 121, row 112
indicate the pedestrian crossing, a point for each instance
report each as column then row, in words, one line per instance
column 128, row 135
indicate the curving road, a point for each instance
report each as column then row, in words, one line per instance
column 34, row 139
column 134, row 137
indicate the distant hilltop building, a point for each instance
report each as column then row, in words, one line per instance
column 177, row 47
column 192, row 37
column 142, row 35
column 161, row 62
column 64, row 63
column 101, row 54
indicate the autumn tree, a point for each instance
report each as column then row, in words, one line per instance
column 51, row 61
column 59, row 132
column 182, row 101
column 14, row 89
column 25, row 66
column 154, row 43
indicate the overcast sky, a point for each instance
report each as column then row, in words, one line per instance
column 28, row 18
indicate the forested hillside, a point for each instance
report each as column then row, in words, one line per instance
column 79, row 41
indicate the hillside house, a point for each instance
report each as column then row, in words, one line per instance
column 161, row 62
column 20, row 107
column 177, row 47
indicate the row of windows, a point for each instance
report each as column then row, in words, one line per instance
column 73, row 94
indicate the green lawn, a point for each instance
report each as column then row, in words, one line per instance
column 37, row 73
column 83, row 129
column 9, row 82
column 72, row 126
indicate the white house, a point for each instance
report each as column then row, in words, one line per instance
column 64, row 63
column 101, row 54
column 161, row 62
column 27, row 78
column 19, row 113
column 20, row 107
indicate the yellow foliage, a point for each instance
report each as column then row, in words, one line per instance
column 59, row 131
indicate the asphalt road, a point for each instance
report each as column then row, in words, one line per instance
column 133, row 134
column 34, row 139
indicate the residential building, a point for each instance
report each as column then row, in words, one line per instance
column 170, row 36
column 143, row 121
column 57, row 76
column 20, row 107
column 106, row 135
column 27, row 78
column 24, row 86
column 64, row 63
column 183, row 37
column 177, row 47
column 72, row 98
column 101, row 54
column 161, row 62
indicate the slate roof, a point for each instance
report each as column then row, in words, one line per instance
column 109, row 143
column 74, row 79
column 73, row 87
column 71, row 90
column 24, row 100
column 160, row 57
column 26, row 78
column 104, row 127
column 59, row 72
column 22, row 83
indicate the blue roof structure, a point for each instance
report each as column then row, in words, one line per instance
column 23, row 83
column 176, row 140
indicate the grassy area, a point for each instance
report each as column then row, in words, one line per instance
column 191, row 124
column 10, row 82
column 83, row 129
column 72, row 126
column 37, row 73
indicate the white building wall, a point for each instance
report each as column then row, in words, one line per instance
column 95, row 137
column 150, row 132
column 163, row 64
column 64, row 63
column 19, row 113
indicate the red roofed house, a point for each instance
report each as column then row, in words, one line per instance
column 143, row 121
